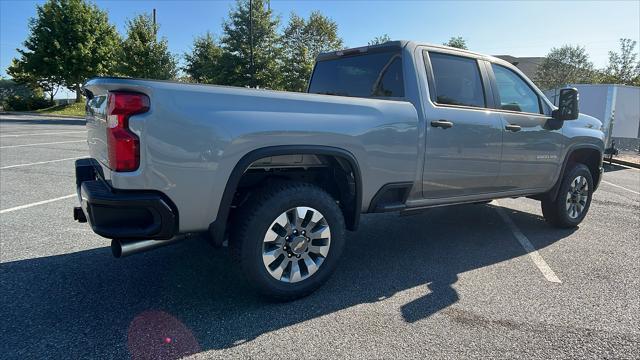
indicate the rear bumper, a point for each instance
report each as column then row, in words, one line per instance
column 120, row 214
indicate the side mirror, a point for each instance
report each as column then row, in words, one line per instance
column 567, row 105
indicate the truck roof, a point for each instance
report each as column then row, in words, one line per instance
column 399, row 44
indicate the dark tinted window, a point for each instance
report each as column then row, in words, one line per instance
column 391, row 82
column 515, row 94
column 369, row 75
column 457, row 80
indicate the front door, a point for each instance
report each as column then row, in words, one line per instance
column 531, row 150
column 464, row 137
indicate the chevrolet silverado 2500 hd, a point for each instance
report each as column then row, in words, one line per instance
column 393, row 127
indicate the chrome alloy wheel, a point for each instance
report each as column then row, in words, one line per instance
column 296, row 244
column 577, row 197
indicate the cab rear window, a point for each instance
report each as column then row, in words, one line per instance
column 368, row 75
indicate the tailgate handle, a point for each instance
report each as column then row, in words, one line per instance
column 442, row 124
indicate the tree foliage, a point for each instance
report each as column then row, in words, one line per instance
column 142, row 55
column 21, row 96
column 246, row 65
column 567, row 64
column 302, row 41
column 69, row 41
column 295, row 67
column 203, row 63
column 379, row 40
column 36, row 77
column 457, row 42
column 624, row 67
column 321, row 35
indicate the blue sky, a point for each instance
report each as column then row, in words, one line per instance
column 527, row 28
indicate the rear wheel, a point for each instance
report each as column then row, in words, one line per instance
column 289, row 239
column 572, row 202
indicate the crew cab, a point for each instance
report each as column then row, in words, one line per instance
column 400, row 126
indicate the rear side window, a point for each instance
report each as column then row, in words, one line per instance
column 368, row 75
column 515, row 94
column 457, row 80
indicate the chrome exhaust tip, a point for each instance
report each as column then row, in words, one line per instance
column 124, row 247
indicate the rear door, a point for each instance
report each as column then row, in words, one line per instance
column 531, row 150
column 464, row 136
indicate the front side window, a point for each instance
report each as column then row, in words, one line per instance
column 457, row 80
column 515, row 94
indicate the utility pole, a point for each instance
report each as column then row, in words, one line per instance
column 251, row 68
column 154, row 23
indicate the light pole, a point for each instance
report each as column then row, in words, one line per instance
column 251, row 68
column 154, row 23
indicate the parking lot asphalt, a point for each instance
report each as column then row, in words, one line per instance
column 451, row 282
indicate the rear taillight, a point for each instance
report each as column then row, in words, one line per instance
column 124, row 145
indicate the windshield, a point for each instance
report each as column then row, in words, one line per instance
column 368, row 75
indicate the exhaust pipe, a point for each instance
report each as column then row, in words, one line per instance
column 122, row 247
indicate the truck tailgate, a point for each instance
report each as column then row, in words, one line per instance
column 96, row 128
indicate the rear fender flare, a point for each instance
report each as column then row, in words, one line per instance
column 217, row 228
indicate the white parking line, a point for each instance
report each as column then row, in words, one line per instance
column 37, row 144
column 36, row 204
column 528, row 247
column 621, row 187
column 40, row 162
column 43, row 133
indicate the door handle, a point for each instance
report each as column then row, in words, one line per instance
column 442, row 124
column 513, row 128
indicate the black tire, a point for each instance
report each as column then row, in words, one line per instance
column 555, row 210
column 254, row 219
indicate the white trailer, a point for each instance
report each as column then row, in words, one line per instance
column 617, row 106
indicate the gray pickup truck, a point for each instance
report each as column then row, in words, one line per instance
column 401, row 126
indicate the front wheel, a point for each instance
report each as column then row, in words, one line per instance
column 289, row 239
column 572, row 202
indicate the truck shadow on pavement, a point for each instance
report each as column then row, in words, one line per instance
column 613, row 167
column 188, row 298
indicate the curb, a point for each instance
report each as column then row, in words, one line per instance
column 626, row 163
column 40, row 114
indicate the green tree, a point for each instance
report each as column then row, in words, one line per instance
column 457, row 42
column 36, row 74
column 69, row 41
column 379, row 40
column 295, row 66
column 321, row 34
column 251, row 46
column 302, row 42
column 21, row 96
column 203, row 64
column 142, row 55
column 623, row 68
column 567, row 64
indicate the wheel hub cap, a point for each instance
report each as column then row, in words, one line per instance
column 577, row 197
column 296, row 244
